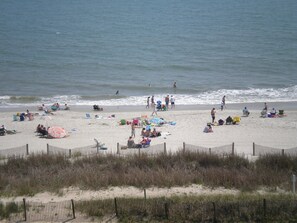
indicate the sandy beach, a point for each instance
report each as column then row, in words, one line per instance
column 190, row 121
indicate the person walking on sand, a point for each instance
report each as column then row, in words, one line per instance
column 213, row 114
column 154, row 110
column 148, row 102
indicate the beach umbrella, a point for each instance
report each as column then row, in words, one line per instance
column 56, row 132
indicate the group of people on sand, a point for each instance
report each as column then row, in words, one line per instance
column 245, row 113
column 150, row 102
column 54, row 107
column 145, row 142
column 42, row 130
column 265, row 113
column 146, row 132
column 23, row 116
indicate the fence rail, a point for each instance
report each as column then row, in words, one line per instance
column 28, row 211
column 15, row 152
column 189, row 210
column 153, row 150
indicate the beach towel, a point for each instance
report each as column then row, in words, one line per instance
column 157, row 121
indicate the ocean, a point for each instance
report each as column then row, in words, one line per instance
column 81, row 52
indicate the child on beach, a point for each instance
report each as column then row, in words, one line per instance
column 172, row 101
column 245, row 112
column 213, row 114
column 208, row 128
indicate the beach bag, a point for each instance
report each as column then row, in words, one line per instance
column 236, row 119
column 221, row 122
column 229, row 120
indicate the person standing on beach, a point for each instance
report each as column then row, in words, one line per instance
column 148, row 102
column 152, row 101
column 133, row 126
column 223, row 104
column 167, row 101
column 172, row 102
column 265, row 106
column 213, row 114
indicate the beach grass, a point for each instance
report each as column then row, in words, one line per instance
column 39, row 173
column 206, row 208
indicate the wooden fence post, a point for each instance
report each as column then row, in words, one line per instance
column 118, row 148
column 254, row 149
column 233, row 148
column 283, row 152
column 264, row 209
column 214, row 212
column 73, row 210
column 144, row 191
column 184, row 147
column 166, row 209
column 47, row 149
column 116, row 207
column 27, row 149
column 209, row 151
column 165, row 151
column 25, row 209
column 69, row 153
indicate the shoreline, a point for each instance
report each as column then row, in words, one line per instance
column 289, row 106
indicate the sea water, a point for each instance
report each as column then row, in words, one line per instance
column 81, row 52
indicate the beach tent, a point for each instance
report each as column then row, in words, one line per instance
column 56, row 132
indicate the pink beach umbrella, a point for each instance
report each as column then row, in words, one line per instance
column 56, row 132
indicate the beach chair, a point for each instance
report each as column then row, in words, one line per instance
column 99, row 145
column 2, row 132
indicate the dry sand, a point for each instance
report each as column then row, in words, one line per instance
column 273, row 132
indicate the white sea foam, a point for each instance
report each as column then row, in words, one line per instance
column 211, row 97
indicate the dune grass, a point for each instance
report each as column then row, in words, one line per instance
column 218, row 208
column 38, row 173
